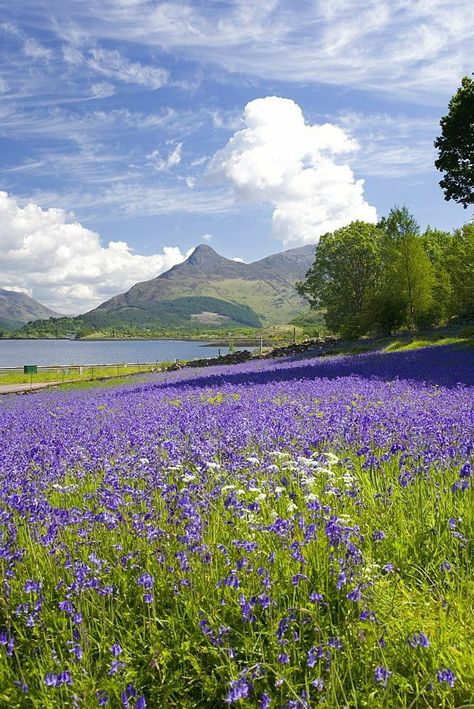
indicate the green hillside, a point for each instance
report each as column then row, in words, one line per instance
column 206, row 292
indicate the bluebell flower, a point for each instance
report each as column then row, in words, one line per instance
column 382, row 675
column 239, row 689
column 447, row 676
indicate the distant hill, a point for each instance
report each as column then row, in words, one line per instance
column 212, row 290
column 16, row 309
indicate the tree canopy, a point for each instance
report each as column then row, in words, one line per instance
column 456, row 146
column 345, row 272
column 377, row 279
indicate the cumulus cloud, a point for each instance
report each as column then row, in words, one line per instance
column 64, row 263
column 280, row 160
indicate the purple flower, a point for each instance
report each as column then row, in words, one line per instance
column 382, row 675
column 52, row 679
column 315, row 654
column 127, row 694
column 418, row 640
column 318, row 684
column 283, row 658
column 115, row 650
column 116, row 666
column 102, row 697
column 378, row 535
column 146, row 580
column 316, row 598
column 22, row 686
column 239, row 689
column 446, row 676
column 355, row 594
column 32, row 586
column 297, row 578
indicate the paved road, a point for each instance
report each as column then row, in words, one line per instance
column 18, row 388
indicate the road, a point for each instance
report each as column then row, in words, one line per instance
column 19, row 388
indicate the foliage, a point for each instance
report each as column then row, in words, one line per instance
column 163, row 318
column 378, row 280
column 460, row 267
column 345, row 273
column 300, row 533
column 408, row 276
column 456, row 146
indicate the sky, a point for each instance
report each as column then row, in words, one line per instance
column 133, row 130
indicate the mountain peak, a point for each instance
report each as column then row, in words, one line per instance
column 18, row 308
column 202, row 253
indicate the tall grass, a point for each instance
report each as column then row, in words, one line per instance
column 181, row 623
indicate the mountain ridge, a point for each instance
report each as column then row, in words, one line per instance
column 266, row 286
column 18, row 308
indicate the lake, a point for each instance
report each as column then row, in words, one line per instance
column 16, row 353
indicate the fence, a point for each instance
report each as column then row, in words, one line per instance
column 75, row 372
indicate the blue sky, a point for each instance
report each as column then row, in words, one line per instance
column 132, row 130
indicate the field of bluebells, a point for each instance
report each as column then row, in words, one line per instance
column 274, row 534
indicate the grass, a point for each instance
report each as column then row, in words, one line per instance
column 416, row 344
column 177, row 662
column 76, row 373
column 397, row 344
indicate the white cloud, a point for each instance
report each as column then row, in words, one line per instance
column 35, row 50
column 412, row 49
column 207, row 237
column 392, row 145
column 3, row 85
column 17, row 289
column 102, row 89
column 31, row 48
column 280, row 160
column 238, row 259
column 64, row 263
column 111, row 64
column 161, row 164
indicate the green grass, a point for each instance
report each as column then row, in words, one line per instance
column 75, row 373
column 165, row 652
column 417, row 344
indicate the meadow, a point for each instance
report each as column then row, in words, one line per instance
column 293, row 533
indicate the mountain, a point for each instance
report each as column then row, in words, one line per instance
column 212, row 290
column 16, row 309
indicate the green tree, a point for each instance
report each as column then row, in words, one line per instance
column 344, row 276
column 437, row 244
column 456, row 146
column 460, row 266
column 406, row 292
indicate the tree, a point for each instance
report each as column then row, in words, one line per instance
column 437, row 245
column 406, row 292
column 344, row 276
column 456, row 146
column 460, row 266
